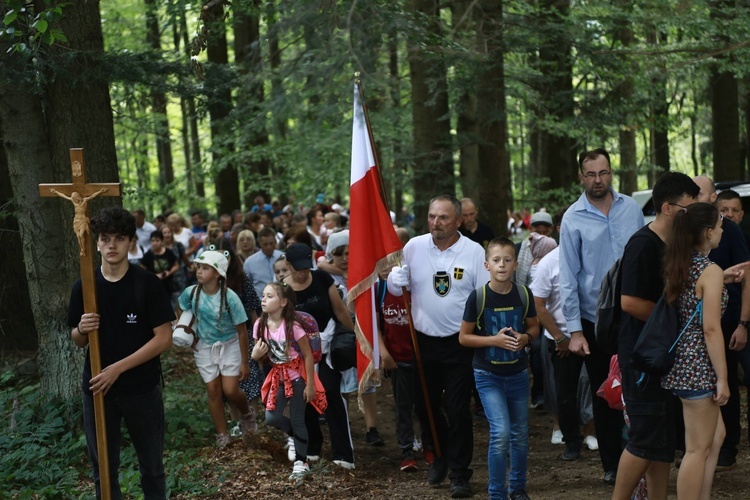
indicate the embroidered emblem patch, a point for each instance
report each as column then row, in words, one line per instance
column 441, row 282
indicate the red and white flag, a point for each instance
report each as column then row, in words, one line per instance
column 373, row 242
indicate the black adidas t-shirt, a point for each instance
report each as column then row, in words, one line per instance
column 129, row 309
column 314, row 299
column 500, row 311
column 641, row 276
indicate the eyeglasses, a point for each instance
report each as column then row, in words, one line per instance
column 678, row 205
column 593, row 175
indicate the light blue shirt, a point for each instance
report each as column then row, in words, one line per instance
column 207, row 324
column 590, row 243
column 260, row 267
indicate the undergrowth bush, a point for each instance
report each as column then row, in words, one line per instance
column 43, row 450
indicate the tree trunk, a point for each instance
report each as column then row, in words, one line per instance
column 467, row 130
column 624, row 91
column 495, row 191
column 248, row 56
column 725, row 118
column 159, row 110
column 398, row 167
column 17, row 331
column 219, row 106
column 433, row 161
column 553, row 155
column 659, row 113
column 279, row 124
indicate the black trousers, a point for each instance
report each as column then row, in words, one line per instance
column 567, row 373
column 449, row 379
column 609, row 423
column 731, row 412
column 337, row 418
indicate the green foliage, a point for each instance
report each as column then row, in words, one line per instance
column 26, row 29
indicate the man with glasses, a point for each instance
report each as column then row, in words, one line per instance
column 732, row 250
column 594, row 232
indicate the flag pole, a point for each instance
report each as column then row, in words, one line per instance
column 412, row 330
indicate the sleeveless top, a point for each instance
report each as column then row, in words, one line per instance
column 692, row 368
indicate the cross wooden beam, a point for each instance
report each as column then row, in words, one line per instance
column 79, row 192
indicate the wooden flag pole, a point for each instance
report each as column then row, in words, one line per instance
column 79, row 192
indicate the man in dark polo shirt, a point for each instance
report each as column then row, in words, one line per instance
column 471, row 227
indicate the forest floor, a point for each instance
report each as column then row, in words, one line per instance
column 261, row 469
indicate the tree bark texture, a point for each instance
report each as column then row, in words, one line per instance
column 495, row 193
column 219, row 106
column 624, row 92
column 433, row 161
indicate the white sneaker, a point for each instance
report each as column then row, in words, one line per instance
column 235, row 431
column 591, row 443
column 313, row 458
column 291, row 453
column 557, row 437
column 299, row 470
column 417, row 445
column 344, row 464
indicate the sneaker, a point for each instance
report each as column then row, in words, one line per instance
column 460, row 488
column 409, row 462
column 570, row 454
column 557, row 437
column 235, row 431
column 537, row 402
column 438, row 471
column 519, row 495
column 248, row 424
column 418, row 445
column 726, row 464
column 610, row 477
column 428, row 457
column 299, row 470
column 222, row 441
column 591, row 443
column 373, row 437
column 291, row 453
column 313, row 458
column 344, row 464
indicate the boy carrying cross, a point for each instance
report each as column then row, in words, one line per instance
column 134, row 329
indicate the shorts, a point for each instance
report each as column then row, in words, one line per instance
column 652, row 434
column 219, row 358
column 349, row 384
column 691, row 395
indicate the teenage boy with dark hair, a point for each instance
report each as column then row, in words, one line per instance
column 651, row 445
column 161, row 261
column 134, row 329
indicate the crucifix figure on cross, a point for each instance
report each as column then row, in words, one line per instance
column 80, row 193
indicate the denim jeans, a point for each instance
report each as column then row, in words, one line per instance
column 506, row 405
column 144, row 419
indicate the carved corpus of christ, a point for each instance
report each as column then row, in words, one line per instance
column 80, row 220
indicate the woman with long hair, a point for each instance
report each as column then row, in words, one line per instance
column 699, row 374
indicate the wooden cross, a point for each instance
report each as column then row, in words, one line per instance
column 79, row 193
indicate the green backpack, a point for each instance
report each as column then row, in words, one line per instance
column 481, row 297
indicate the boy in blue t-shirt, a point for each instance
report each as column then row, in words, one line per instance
column 499, row 322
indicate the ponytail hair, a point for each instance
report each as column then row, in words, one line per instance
column 688, row 235
column 288, row 313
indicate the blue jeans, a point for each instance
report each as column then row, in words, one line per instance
column 506, row 404
column 144, row 418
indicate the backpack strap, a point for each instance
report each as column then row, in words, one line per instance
column 524, row 298
column 481, row 297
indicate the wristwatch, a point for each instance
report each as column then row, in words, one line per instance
column 746, row 324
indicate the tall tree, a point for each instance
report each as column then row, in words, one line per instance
column 433, row 161
column 658, row 111
column 624, row 91
column 495, row 192
column 159, row 106
column 77, row 113
column 219, row 85
column 725, row 117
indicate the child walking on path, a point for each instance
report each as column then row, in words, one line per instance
column 499, row 322
column 221, row 343
column 292, row 377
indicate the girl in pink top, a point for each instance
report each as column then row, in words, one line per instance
column 292, row 378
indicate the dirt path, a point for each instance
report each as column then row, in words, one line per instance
column 261, row 470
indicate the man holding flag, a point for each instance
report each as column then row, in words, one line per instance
column 442, row 268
